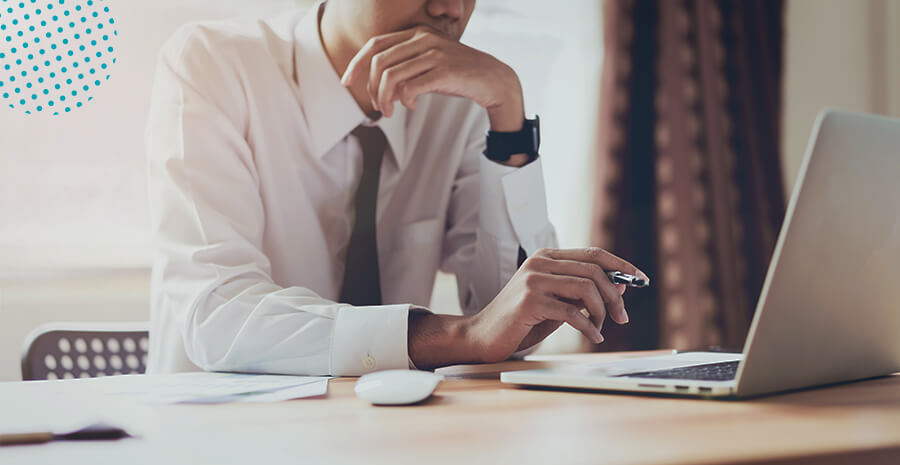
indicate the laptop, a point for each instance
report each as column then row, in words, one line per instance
column 829, row 309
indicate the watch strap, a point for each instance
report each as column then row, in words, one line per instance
column 502, row 145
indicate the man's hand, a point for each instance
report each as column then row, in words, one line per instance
column 550, row 288
column 403, row 65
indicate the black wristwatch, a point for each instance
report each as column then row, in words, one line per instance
column 502, row 145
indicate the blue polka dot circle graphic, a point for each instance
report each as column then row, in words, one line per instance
column 54, row 54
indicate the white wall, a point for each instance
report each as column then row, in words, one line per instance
column 838, row 53
column 557, row 50
column 29, row 300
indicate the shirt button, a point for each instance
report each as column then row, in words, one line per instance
column 369, row 362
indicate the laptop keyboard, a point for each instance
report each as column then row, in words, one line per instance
column 724, row 371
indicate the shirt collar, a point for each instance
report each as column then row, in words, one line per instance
column 330, row 110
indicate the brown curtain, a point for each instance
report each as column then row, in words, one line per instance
column 691, row 188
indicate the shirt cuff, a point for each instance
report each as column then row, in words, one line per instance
column 514, row 202
column 368, row 339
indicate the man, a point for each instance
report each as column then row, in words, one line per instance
column 311, row 173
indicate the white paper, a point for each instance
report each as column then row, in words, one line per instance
column 213, row 388
column 313, row 389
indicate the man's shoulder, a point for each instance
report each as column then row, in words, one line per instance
column 233, row 41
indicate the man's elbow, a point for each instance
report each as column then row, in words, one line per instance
column 205, row 351
column 206, row 344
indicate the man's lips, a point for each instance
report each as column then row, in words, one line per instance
column 449, row 29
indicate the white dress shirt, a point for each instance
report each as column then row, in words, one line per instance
column 252, row 177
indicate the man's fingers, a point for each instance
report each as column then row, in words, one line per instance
column 575, row 289
column 598, row 256
column 394, row 56
column 571, row 314
column 392, row 78
column 371, row 93
column 360, row 63
column 430, row 81
column 612, row 298
column 538, row 333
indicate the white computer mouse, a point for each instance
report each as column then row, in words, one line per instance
column 397, row 387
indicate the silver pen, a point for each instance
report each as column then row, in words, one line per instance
column 617, row 277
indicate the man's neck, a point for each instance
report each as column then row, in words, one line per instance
column 340, row 51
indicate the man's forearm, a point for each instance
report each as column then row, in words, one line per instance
column 438, row 340
column 509, row 115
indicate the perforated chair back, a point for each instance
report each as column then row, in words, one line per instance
column 85, row 350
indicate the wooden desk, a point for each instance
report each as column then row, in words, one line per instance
column 475, row 419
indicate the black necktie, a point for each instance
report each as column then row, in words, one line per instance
column 362, row 283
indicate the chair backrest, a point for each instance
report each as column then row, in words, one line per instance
column 85, row 350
